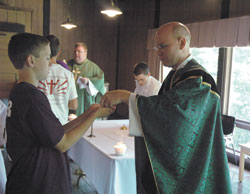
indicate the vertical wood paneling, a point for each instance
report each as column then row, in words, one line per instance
column 27, row 3
column 11, row 16
column 12, row 13
column 3, row 15
column 39, row 19
column 239, row 8
column 36, row 20
column 20, row 17
column 28, row 26
column 133, row 39
column 19, row 3
column 53, row 16
column 11, row 3
column 189, row 11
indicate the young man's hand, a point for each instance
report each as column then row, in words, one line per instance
column 101, row 111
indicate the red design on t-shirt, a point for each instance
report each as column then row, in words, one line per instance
column 53, row 87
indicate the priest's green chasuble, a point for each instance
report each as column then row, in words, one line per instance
column 96, row 76
column 183, row 134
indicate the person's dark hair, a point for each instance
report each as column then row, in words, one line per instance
column 24, row 44
column 54, row 45
column 81, row 44
column 141, row 68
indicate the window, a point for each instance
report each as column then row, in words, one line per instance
column 239, row 98
column 208, row 58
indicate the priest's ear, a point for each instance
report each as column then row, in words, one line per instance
column 30, row 61
column 182, row 42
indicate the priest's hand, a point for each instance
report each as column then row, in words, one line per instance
column 101, row 111
column 112, row 98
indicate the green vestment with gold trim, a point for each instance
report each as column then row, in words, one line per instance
column 90, row 70
column 183, row 135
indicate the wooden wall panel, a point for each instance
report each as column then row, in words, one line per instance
column 189, row 11
column 28, row 22
column 36, row 15
column 134, row 25
column 11, row 16
column 18, row 11
column 20, row 17
column 18, row 3
column 239, row 8
column 3, row 15
column 7, row 70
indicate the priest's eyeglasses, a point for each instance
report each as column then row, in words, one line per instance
column 160, row 46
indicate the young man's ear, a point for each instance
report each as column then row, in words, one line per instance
column 30, row 61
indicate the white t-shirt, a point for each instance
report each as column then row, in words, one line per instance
column 151, row 88
column 3, row 177
column 60, row 89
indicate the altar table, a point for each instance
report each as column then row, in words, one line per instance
column 110, row 174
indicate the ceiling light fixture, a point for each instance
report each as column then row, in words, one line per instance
column 68, row 23
column 112, row 11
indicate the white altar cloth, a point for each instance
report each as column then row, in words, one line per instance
column 109, row 173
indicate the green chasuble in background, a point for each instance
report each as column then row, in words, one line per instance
column 183, row 134
column 96, row 76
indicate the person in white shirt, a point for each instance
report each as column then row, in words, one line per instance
column 146, row 85
column 3, row 179
column 3, row 112
column 59, row 87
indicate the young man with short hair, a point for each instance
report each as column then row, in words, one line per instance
column 36, row 139
column 146, row 85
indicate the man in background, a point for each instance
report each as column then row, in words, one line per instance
column 181, row 126
column 146, row 85
column 88, row 76
column 59, row 87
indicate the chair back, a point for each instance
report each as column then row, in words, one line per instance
column 228, row 123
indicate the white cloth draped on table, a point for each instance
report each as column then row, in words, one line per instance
column 96, row 156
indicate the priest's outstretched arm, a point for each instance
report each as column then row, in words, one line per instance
column 112, row 98
column 115, row 97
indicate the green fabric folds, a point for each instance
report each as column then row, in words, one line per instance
column 96, row 76
column 184, row 137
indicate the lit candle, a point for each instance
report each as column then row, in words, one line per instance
column 120, row 148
